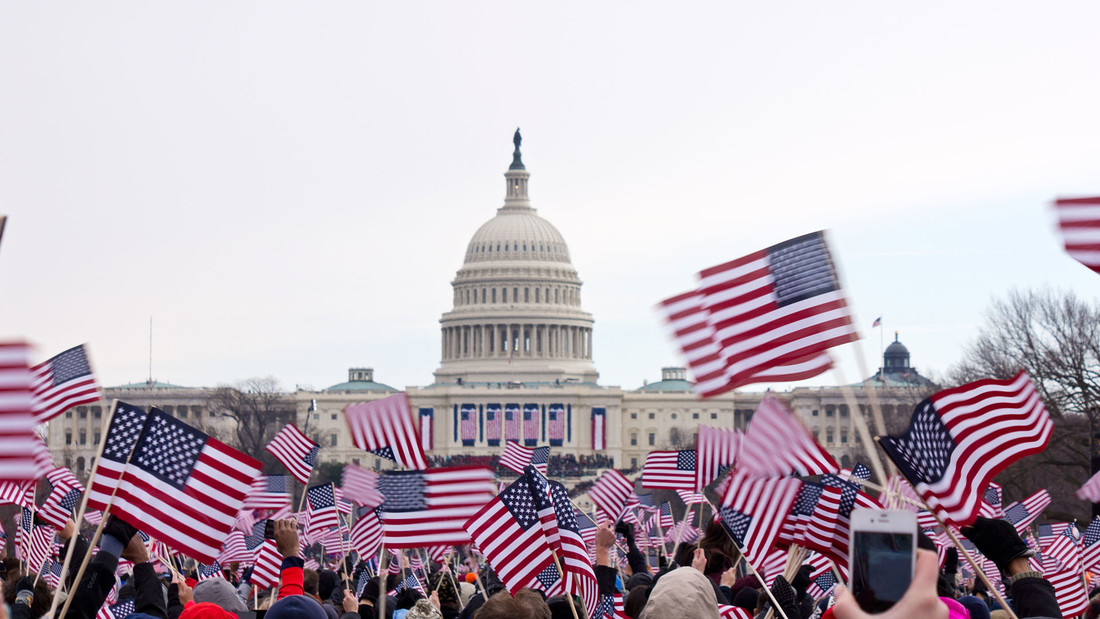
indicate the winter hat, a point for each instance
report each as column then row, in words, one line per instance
column 976, row 607
column 424, row 610
column 205, row 610
column 218, row 591
column 296, row 607
column 683, row 592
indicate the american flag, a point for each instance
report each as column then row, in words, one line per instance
column 343, row 505
column 559, row 523
column 1091, row 490
column 20, row 493
column 17, row 438
column 691, row 498
column 508, row 533
column 425, row 508
column 180, row 485
column 555, row 423
column 822, row 582
column 610, row 492
column 33, row 543
column 265, row 557
column 828, row 528
column 682, row 532
column 1079, row 222
column 366, row 533
column 516, row 457
column 767, row 317
column 753, row 509
column 410, row 582
column 121, row 610
column 1090, row 545
column 1022, row 513
column 716, row 449
column 794, row 529
column 776, row 443
column 336, row 541
column 58, row 507
column 321, row 509
column 645, row 501
column 960, row 438
column 206, row 572
column 512, row 414
column 62, row 382
column 1065, row 549
column 268, row 492
column 991, row 502
column 468, row 425
column 674, row 470
column 361, row 486
column 664, row 516
column 493, row 420
column 530, row 424
column 234, row 549
column 384, row 427
column 1069, row 590
column 295, row 451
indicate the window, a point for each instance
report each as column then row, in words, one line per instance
column 843, row 410
column 197, row 412
column 355, row 461
column 715, row 416
column 695, row 415
column 633, row 463
column 316, row 416
column 82, row 411
column 830, row 410
column 182, row 411
column 494, row 295
column 633, row 415
column 652, row 416
column 828, row 435
column 674, row 415
column 652, row 439
column 334, row 416
column 814, row 413
column 634, row 439
column 167, row 409
column 332, row 440
column 83, row 438
column 843, row 436
column 503, row 295
column 95, row 438
column 68, row 414
column 68, row 438
column 97, row 411
column 526, row 295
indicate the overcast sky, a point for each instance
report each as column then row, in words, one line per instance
column 289, row 188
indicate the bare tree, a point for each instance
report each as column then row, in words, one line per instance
column 1055, row 336
column 257, row 408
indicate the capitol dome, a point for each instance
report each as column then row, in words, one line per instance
column 517, row 314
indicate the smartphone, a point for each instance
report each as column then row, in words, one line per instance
column 882, row 548
column 269, row 529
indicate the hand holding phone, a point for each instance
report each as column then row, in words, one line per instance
column 921, row 600
column 882, row 547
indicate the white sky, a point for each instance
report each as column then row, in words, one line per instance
column 288, row 188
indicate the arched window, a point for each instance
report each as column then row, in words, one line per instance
column 503, row 295
column 526, row 295
column 494, row 295
column 537, row 296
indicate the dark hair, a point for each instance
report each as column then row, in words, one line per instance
column 526, row 603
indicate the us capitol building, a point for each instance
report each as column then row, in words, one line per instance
column 517, row 362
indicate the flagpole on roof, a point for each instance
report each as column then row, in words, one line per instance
column 102, row 522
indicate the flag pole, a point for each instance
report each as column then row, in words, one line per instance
column 568, row 595
column 83, row 508
column 382, row 593
column 861, row 423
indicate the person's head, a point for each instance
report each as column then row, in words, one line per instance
column 406, row 598
column 684, row 554
column 526, row 603
column 328, row 581
column 296, row 607
column 219, row 592
column 635, row 601
column 975, row 606
column 309, row 581
column 683, row 592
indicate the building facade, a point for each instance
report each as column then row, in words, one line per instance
column 516, row 362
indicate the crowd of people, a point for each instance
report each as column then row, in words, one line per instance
column 558, row 466
column 703, row 579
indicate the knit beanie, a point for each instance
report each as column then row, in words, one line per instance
column 296, row 607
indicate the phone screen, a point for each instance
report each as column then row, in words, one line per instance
column 269, row 529
column 882, row 568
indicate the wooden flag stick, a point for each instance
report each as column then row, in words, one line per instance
column 861, row 424
column 80, row 516
column 382, row 593
column 568, row 595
